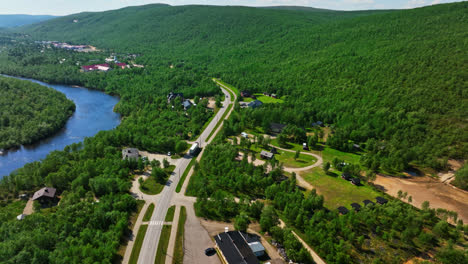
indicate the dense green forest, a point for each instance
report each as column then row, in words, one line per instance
column 29, row 112
column 399, row 231
column 393, row 76
column 392, row 81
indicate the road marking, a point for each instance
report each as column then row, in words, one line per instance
column 157, row 223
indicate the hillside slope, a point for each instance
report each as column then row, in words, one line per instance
column 394, row 76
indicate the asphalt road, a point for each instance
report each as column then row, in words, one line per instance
column 151, row 241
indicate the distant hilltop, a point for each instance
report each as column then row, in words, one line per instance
column 8, row 21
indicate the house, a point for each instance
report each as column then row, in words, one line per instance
column 356, row 207
column 318, row 123
column 274, row 96
column 257, row 248
column 367, row 202
column 381, row 200
column 171, row 96
column 246, row 94
column 45, row 194
column 122, row 65
column 255, row 104
column 244, row 135
column 96, row 67
column 235, row 249
column 343, row 210
column 130, row 153
column 274, row 150
column 346, row 176
column 277, row 128
column 186, row 104
column 356, row 181
column 266, row 155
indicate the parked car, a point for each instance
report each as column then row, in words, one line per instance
column 210, row 251
column 169, row 154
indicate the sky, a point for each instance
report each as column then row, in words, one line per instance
column 66, row 7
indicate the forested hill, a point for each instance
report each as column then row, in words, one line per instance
column 395, row 76
column 7, row 21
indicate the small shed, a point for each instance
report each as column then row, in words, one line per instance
column 130, row 153
column 343, row 210
column 367, row 202
column 45, row 194
column 257, row 248
column 266, row 155
column 356, row 207
column 304, row 146
column 381, row 200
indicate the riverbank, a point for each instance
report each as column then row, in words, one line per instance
column 94, row 111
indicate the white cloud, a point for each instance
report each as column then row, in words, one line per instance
column 415, row 3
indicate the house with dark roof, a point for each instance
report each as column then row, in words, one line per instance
column 235, row 248
column 343, row 210
column 186, row 104
column 381, row 200
column 367, row 202
column 171, row 96
column 277, row 128
column 255, row 104
column 356, row 181
column 266, row 155
column 130, row 153
column 46, row 194
column 356, row 207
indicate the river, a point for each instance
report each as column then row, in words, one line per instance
column 94, row 112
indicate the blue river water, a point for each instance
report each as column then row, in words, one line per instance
column 94, row 112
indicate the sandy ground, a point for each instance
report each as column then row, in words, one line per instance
column 28, row 209
column 214, row 228
column 160, row 157
column 423, row 188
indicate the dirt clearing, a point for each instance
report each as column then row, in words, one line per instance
column 439, row 195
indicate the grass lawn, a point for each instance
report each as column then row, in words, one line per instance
column 287, row 158
column 337, row 191
column 184, row 175
column 148, row 213
column 327, row 153
column 179, row 244
column 151, row 186
column 234, row 89
column 267, row 99
column 137, row 245
column 162, row 246
column 170, row 214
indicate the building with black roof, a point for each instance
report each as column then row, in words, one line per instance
column 356, row 207
column 346, row 176
column 367, row 202
column 235, row 248
column 381, row 200
column 356, row 181
column 343, row 210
